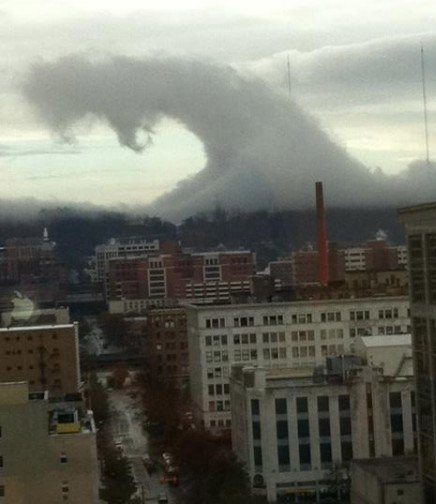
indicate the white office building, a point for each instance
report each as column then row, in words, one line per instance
column 297, row 430
column 275, row 335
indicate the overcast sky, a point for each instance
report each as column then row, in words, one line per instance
column 354, row 67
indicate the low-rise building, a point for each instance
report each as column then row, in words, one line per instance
column 297, row 429
column 386, row 480
column 47, row 450
column 295, row 334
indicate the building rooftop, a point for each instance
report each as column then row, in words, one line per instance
column 418, row 208
column 36, row 328
column 391, row 469
column 281, row 373
column 387, row 340
column 284, row 304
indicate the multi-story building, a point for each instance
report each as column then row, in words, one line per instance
column 25, row 314
column 372, row 256
column 47, row 357
column 162, row 279
column 386, row 479
column 30, row 257
column 166, row 346
column 47, row 449
column 296, row 430
column 296, row 334
column 420, row 225
column 123, row 248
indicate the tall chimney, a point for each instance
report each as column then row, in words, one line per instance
column 321, row 237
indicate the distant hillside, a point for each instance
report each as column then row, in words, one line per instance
column 270, row 234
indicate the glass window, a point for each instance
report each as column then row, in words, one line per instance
column 256, row 430
column 282, row 429
column 281, row 406
column 283, row 455
column 324, row 427
column 304, row 452
column 325, row 450
column 255, row 407
column 302, row 405
column 323, row 403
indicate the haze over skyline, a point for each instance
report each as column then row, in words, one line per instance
column 361, row 83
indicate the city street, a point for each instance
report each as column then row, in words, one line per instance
column 126, row 418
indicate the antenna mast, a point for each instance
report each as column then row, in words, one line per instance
column 424, row 99
column 289, row 79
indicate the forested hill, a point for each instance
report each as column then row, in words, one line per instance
column 270, row 234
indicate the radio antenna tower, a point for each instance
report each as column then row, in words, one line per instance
column 424, row 99
column 289, row 79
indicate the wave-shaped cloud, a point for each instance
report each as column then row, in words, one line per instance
column 262, row 150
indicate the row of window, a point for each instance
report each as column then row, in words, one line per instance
column 303, row 318
column 219, row 389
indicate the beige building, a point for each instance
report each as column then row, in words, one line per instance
column 420, row 224
column 298, row 428
column 293, row 334
column 47, row 357
column 48, row 450
column 385, row 480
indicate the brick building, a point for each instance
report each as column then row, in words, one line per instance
column 203, row 277
column 166, row 346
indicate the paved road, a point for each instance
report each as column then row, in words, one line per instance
column 126, row 422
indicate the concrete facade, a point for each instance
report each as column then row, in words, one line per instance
column 297, row 334
column 420, row 226
column 296, row 430
column 385, row 480
column 48, row 450
column 47, row 357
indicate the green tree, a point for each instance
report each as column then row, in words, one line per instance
column 98, row 400
column 119, row 485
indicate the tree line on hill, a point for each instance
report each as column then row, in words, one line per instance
column 270, row 234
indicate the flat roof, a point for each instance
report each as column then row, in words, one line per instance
column 387, row 340
column 36, row 328
column 282, row 304
column 391, row 469
column 418, row 208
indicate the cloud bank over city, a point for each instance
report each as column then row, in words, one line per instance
column 262, row 150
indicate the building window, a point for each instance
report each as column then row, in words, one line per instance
column 302, row 406
column 257, row 452
column 255, row 407
column 304, row 452
column 282, row 429
column 283, row 456
column 256, row 430
column 63, row 458
column 2, row 490
column 323, row 403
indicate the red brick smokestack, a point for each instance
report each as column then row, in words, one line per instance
column 321, row 237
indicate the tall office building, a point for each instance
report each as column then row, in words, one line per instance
column 420, row 225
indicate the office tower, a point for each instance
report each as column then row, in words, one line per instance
column 420, row 226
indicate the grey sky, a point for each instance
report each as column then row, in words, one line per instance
column 355, row 68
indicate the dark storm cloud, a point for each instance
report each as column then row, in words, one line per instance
column 262, row 151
